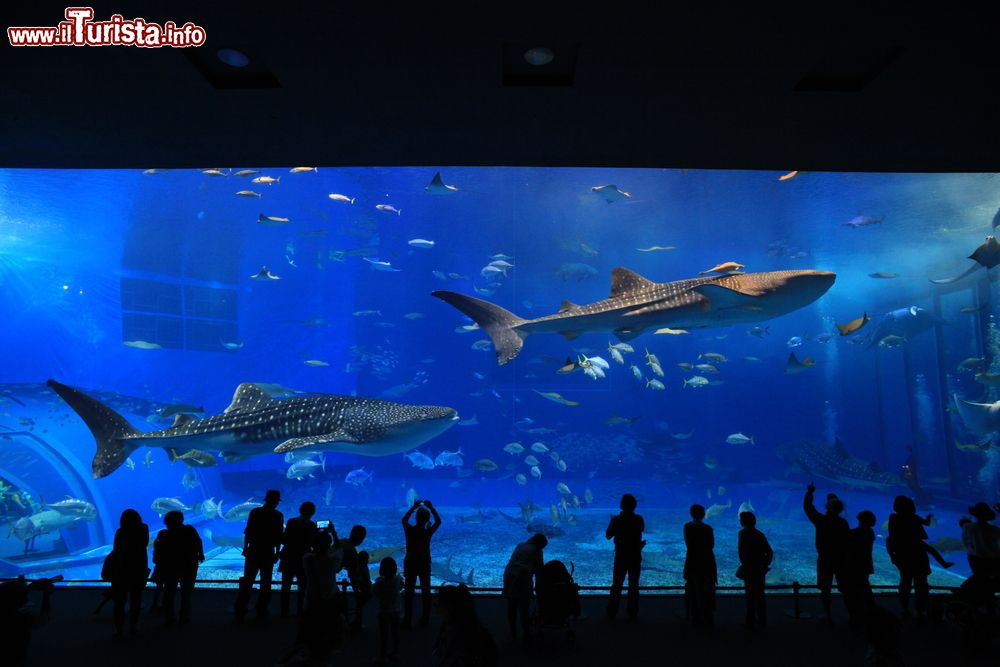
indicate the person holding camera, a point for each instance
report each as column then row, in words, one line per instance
column 261, row 543
column 417, row 563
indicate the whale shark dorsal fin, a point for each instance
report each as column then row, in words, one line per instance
column 247, row 395
column 624, row 281
column 567, row 305
column 724, row 298
column 181, row 419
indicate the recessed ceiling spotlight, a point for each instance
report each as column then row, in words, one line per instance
column 232, row 57
column 539, row 56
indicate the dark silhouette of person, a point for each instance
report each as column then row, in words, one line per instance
column 931, row 551
column 417, row 562
column 386, row 591
column 519, row 576
column 351, row 565
column 700, row 571
column 831, row 544
column 858, row 566
column 321, row 625
column 18, row 620
column 261, row 542
column 908, row 552
column 296, row 541
column 626, row 529
column 755, row 560
column 462, row 639
column 982, row 545
column 177, row 552
column 129, row 569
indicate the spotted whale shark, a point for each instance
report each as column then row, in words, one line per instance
column 637, row 305
column 255, row 424
column 836, row 464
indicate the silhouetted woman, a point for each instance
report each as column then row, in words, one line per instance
column 518, row 581
column 908, row 552
column 177, row 552
column 700, row 572
column 296, row 541
column 129, row 569
column 417, row 563
column 755, row 560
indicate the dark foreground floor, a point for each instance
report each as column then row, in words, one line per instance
column 660, row 637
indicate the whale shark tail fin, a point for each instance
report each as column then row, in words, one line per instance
column 110, row 429
column 497, row 322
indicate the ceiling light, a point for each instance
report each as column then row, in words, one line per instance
column 539, row 56
column 232, row 57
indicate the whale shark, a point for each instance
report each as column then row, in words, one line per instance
column 637, row 304
column 255, row 424
column 836, row 464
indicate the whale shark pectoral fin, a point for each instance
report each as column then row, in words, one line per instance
column 723, row 298
column 292, row 444
column 247, row 396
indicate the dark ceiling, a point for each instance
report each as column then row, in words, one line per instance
column 810, row 86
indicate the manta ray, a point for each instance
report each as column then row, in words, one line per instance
column 986, row 255
column 637, row 304
column 256, row 424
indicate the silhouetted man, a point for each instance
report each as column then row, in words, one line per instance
column 700, row 572
column 417, row 563
column 351, row 565
column 858, row 566
column 261, row 542
column 831, row 543
column 755, row 560
column 177, row 552
column 297, row 540
column 626, row 529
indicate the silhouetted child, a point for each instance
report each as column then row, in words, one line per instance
column 626, row 529
column 296, row 541
column 934, row 553
column 362, row 585
column 177, row 552
column 386, row 591
column 831, row 544
column 755, row 560
column 417, row 563
column 858, row 566
column 349, row 549
column 700, row 571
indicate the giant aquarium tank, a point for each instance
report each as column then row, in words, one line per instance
column 520, row 345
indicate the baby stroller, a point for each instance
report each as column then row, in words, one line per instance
column 558, row 599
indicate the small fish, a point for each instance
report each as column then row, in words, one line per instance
column 717, row 509
column 610, row 193
column 271, row 220
column 152, row 172
column 555, row 397
column 539, row 448
column 513, row 448
column 448, row 459
column 657, row 369
column 655, row 384
column 341, row 198
column 794, row 341
column 485, row 465
column 248, row 193
column 129, row 463
column 482, row 345
column 682, row 436
column 246, row 172
column 714, row 357
column 622, row 347
column 315, row 362
column 502, row 256
column 883, row 275
column 685, row 366
column 853, row 325
column 740, row 439
column 520, row 479
column 654, row 248
column 697, row 382
column 367, row 313
column 971, row 309
column 302, row 170
column 421, row 243
column 190, row 480
column 971, row 363
column 758, row 331
column 706, row 368
column 561, row 465
column 214, row 172
column 651, row 358
column 824, row 338
column 266, row 180
column 636, row 373
column 148, row 459
column 231, row 345
column 536, row 472
column 568, row 367
column 725, row 267
column 588, row 497
column 671, row 332
column 752, row 360
column 305, row 468
column 789, row 176
column 439, row 275
column 989, row 379
column 710, row 463
column 264, row 274
column 358, row 477
column 864, row 221
column 388, row 208
column 142, row 345
column 380, row 265
column 587, row 250
column 892, row 340
column 531, row 460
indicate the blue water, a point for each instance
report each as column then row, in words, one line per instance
column 92, row 259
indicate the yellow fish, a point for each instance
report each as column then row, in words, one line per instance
column 555, row 397
column 142, row 345
column 853, row 325
column 789, row 176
